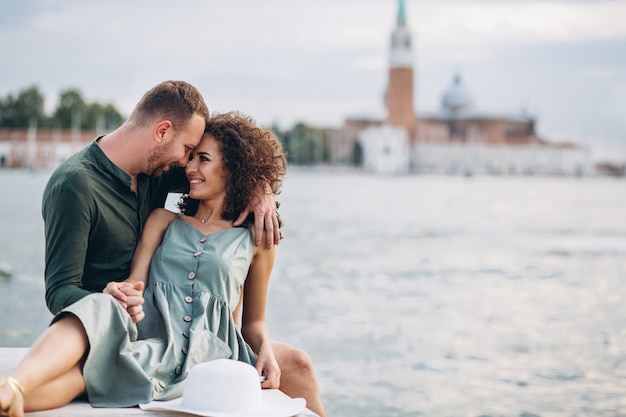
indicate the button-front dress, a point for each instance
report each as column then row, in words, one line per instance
column 195, row 282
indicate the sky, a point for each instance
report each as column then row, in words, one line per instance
column 320, row 61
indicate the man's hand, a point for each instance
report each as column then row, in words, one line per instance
column 130, row 296
column 263, row 205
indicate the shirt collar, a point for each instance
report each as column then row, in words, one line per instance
column 106, row 164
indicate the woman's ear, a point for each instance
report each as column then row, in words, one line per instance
column 161, row 130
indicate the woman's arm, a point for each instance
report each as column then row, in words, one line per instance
column 151, row 239
column 254, row 327
column 130, row 291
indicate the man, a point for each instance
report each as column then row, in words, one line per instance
column 96, row 203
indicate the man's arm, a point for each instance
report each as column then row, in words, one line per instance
column 263, row 205
column 67, row 224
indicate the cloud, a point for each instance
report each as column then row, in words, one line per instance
column 477, row 22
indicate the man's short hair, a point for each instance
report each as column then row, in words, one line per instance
column 176, row 101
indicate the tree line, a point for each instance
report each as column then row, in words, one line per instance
column 26, row 109
column 304, row 144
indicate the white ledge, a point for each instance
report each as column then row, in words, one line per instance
column 10, row 357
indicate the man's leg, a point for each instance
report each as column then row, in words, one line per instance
column 297, row 376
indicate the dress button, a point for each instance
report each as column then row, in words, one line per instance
column 178, row 370
column 162, row 384
column 197, row 253
column 186, row 335
column 191, row 275
column 184, row 350
column 203, row 240
column 187, row 319
column 188, row 299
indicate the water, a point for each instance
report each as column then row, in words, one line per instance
column 420, row 295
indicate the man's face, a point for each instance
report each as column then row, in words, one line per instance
column 177, row 147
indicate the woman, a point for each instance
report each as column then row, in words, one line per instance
column 195, row 266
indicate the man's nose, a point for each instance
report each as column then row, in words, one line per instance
column 184, row 161
column 189, row 166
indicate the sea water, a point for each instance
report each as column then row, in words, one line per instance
column 418, row 295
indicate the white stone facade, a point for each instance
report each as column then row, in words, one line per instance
column 477, row 158
column 385, row 149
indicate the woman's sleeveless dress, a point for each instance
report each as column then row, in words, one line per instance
column 195, row 281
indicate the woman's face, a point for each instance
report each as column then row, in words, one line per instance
column 205, row 171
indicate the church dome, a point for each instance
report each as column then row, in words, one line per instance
column 456, row 98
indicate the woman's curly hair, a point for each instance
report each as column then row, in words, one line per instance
column 251, row 155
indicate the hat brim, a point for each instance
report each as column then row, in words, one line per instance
column 275, row 404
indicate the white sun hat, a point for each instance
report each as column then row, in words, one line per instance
column 228, row 388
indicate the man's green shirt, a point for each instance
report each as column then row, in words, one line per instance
column 93, row 221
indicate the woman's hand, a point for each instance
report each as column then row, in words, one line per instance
column 130, row 296
column 267, row 365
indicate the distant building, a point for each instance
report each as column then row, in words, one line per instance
column 385, row 149
column 43, row 148
column 458, row 139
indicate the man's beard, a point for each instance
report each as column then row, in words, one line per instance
column 156, row 164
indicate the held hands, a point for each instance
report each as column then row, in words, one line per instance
column 263, row 205
column 129, row 295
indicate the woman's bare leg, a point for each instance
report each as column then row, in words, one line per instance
column 58, row 351
column 58, row 392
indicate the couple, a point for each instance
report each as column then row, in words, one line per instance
column 205, row 280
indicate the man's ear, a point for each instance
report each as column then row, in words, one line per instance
column 161, row 130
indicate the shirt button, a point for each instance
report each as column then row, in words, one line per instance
column 187, row 319
column 191, row 275
column 188, row 299
column 184, row 350
column 197, row 253
column 203, row 240
column 162, row 384
column 186, row 335
column 178, row 370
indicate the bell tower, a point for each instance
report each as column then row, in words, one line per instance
column 399, row 94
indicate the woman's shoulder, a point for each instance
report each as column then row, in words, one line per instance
column 161, row 216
